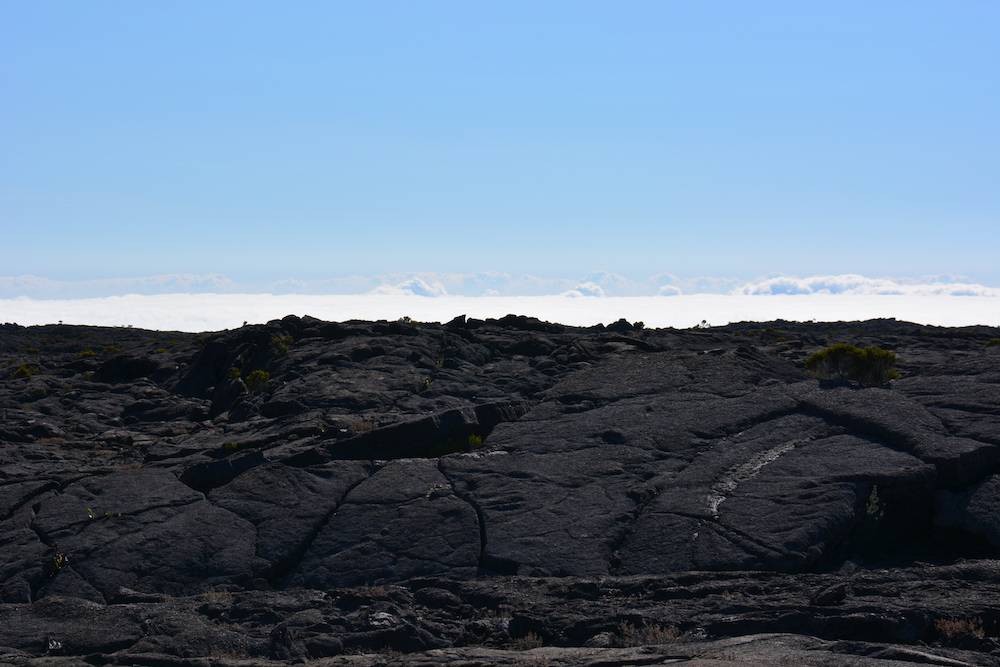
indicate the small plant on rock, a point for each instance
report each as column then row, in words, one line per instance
column 257, row 380
column 646, row 634
column 527, row 642
column 25, row 371
column 959, row 628
column 868, row 366
column 56, row 563
column 874, row 509
column 475, row 441
column 233, row 373
column 280, row 344
column 993, row 342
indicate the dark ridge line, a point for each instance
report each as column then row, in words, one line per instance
column 280, row 571
column 487, row 565
column 627, row 531
column 48, row 486
column 879, row 435
column 480, row 517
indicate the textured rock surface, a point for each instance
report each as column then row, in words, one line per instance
column 406, row 493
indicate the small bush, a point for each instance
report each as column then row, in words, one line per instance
column 233, row 373
column 56, row 563
column 868, row 366
column 647, row 634
column 527, row 642
column 475, row 441
column 88, row 353
column 363, row 425
column 958, row 628
column 257, row 380
column 280, row 344
column 25, row 371
column 874, row 509
column 993, row 342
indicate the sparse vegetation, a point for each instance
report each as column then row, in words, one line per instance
column 528, row 641
column 475, row 441
column 230, row 447
column 993, row 342
column 25, row 371
column 646, row 634
column 87, row 353
column 868, row 366
column 281, row 344
column 257, row 380
column 874, row 509
column 217, row 597
column 233, row 373
column 959, row 628
column 363, row 425
column 55, row 564
column 92, row 515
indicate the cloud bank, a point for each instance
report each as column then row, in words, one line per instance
column 585, row 289
column 212, row 312
column 437, row 285
column 856, row 284
column 413, row 287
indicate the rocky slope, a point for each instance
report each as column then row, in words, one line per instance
column 496, row 492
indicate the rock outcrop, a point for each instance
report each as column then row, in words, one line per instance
column 496, row 492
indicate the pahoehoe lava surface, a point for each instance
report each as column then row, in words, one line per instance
column 505, row 492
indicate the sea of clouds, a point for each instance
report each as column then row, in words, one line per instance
column 208, row 303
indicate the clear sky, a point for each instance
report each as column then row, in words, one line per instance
column 314, row 139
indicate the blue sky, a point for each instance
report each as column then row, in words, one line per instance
column 310, row 140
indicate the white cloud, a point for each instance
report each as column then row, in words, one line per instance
column 413, row 287
column 669, row 290
column 585, row 289
column 855, row 284
column 431, row 284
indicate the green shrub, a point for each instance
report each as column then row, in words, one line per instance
column 868, row 366
column 88, row 353
column 280, row 344
column 475, row 441
column 233, row 373
column 56, row 563
column 25, row 371
column 257, row 380
column 993, row 342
